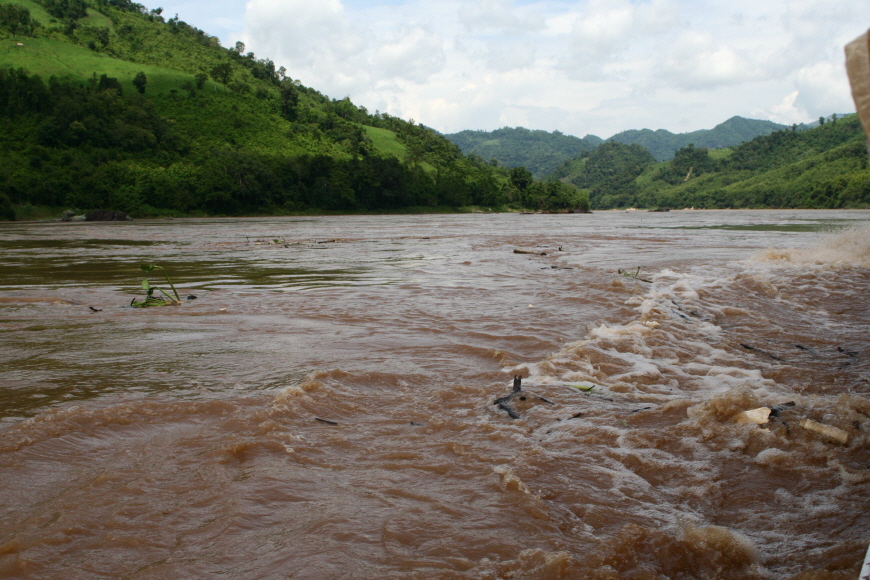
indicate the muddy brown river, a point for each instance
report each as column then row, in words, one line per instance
column 325, row 407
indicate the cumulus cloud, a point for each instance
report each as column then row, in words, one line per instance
column 580, row 66
column 786, row 112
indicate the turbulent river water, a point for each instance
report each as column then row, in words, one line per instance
column 325, row 407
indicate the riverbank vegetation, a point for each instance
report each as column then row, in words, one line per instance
column 105, row 104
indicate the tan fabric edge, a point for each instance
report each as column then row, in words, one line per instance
column 858, row 67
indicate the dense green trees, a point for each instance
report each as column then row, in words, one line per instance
column 825, row 167
column 610, row 172
column 67, row 9
column 88, row 145
column 687, row 163
column 538, row 151
column 663, row 144
column 16, row 20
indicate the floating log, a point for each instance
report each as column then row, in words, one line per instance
column 764, row 352
column 833, row 433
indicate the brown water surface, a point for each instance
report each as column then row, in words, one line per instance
column 324, row 408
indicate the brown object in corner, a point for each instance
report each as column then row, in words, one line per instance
column 858, row 66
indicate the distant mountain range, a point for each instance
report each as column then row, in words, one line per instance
column 664, row 144
column 538, row 151
column 542, row 153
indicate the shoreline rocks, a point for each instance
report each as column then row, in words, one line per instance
column 97, row 215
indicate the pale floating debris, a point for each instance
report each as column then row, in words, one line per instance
column 757, row 416
column 651, row 324
column 829, row 431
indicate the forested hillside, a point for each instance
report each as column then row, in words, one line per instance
column 538, row 151
column 105, row 104
column 824, row 167
column 663, row 144
column 544, row 153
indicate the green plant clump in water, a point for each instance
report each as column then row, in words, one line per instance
column 635, row 275
column 151, row 299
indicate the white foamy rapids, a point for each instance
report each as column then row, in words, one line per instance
column 650, row 406
column 673, row 348
column 716, row 328
column 847, row 247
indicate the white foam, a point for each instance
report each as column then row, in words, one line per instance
column 848, row 247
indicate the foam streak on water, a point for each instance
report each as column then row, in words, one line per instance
column 324, row 408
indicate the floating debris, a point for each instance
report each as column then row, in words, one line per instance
column 807, row 349
column 150, row 298
column 834, row 433
column 502, row 402
column 847, row 352
column 779, row 409
column 757, row 416
column 764, row 352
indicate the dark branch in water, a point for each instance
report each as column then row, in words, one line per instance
column 806, row 348
column 325, row 421
column 635, row 275
column 758, row 350
column 502, row 402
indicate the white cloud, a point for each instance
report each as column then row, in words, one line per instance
column 824, row 89
column 697, row 61
column 584, row 66
column 786, row 112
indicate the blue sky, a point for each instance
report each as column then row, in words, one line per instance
column 581, row 67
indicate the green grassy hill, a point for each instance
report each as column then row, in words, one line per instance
column 105, row 104
column 50, row 57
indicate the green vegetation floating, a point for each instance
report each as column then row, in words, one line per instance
column 107, row 105
column 150, row 299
